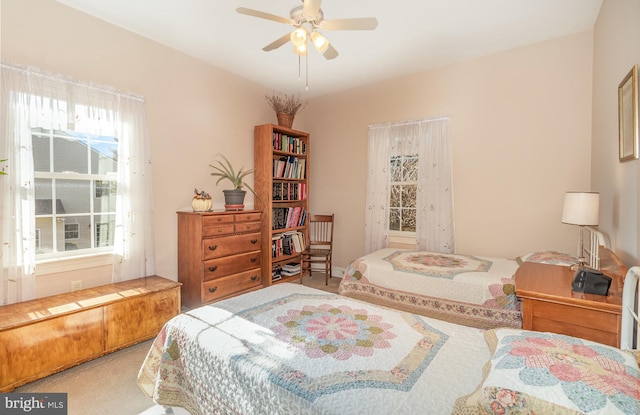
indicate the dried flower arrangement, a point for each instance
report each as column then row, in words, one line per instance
column 287, row 104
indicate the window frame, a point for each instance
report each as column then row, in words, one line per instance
column 400, row 236
column 89, row 178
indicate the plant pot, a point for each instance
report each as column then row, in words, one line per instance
column 285, row 120
column 234, row 199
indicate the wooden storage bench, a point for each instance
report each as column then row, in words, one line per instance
column 44, row 336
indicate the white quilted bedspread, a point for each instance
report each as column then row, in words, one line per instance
column 290, row 349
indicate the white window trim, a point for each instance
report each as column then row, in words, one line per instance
column 405, row 238
column 56, row 265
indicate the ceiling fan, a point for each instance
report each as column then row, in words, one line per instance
column 307, row 19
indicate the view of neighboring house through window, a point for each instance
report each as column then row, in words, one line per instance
column 402, row 193
column 75, row 190
column 77, row 193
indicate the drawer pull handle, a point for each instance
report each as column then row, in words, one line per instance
column 254, row 277
column 213, row 247
column 213, row 289
column 213, row 268
column 254, row 260
column 253, row 241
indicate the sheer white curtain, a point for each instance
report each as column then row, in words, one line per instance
column 434, row 200
column 31, row 98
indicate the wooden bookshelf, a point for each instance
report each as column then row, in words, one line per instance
column 281, row 163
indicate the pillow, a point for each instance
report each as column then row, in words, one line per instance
column 547, row 257
column 544, row 373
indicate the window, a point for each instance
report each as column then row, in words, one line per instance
column 70, row 231
column 402, row 193
column 409, row 197
column 78, row 190
column 78, row 172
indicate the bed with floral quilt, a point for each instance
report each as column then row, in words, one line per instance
column 464, row 289
column 290, row 349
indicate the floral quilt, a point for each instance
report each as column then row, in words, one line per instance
column 464, row 289
column 293, row 349
column 545, row 373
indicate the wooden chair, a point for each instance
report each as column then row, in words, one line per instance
column 320, row 245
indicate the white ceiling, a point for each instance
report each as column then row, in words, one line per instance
column 412, row 35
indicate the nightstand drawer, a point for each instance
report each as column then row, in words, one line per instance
column 575, row 316
column 574, row 321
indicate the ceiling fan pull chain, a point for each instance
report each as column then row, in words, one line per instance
column 306, row 61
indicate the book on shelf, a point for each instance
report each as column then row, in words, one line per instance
column 288, row 191
column 298, row 240
column 291, row 268
column 276, row 273
column 289, row 167
column 288, row 217
column 283, row 142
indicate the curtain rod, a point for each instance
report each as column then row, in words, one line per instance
column 399, row 123
column 32, row 70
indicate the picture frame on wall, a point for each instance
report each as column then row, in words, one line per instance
column 628, row 115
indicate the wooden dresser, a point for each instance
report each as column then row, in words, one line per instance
column 218, row 255
column 549, row 304
column 44, row 336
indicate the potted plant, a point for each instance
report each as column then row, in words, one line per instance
column 286, row 107
column 234, row 198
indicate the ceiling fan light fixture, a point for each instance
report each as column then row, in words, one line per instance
column 319, row 41
column 299, row 36
column 300, row 50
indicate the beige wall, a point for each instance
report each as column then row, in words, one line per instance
column 616, row 50
column 194, row 110
column 520, row 132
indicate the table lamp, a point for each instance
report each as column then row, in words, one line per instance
column 582, row 209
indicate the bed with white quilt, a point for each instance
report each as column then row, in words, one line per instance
column 472, row 290
column 464, row 289
column 290, row 349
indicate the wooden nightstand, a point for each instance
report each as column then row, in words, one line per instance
column 548, row 304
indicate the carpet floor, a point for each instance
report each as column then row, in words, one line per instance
column 107, row 385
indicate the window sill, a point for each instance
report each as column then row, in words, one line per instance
column 402, row 239
column 53, row 266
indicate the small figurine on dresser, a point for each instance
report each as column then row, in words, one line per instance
column 201, row 201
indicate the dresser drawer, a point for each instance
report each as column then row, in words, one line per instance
column 219, row 288
column 247, row 227
column 220, row 230
column 229, row 245
column 248, row 217
column 221, row 267
column 216, row 220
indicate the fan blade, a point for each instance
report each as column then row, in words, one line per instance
column 263, row 15
column 330, row 53
column 277, row 43
column 311, row 8
column 362, row 23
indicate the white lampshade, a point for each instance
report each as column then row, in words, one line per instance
column 320, row 42
column 300, row 50
column 299, row 36
column 581, row 208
